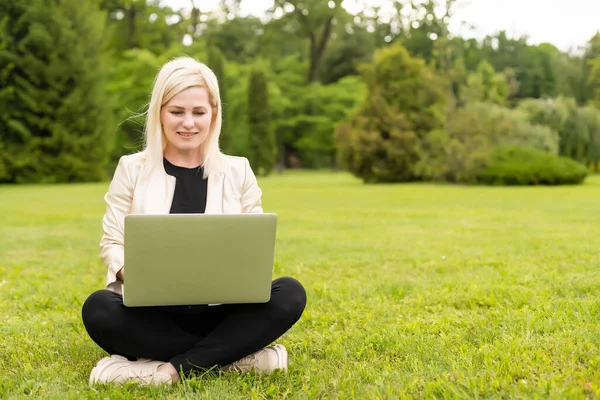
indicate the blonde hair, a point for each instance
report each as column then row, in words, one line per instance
column 175, row 76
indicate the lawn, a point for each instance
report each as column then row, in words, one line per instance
column 414, row 291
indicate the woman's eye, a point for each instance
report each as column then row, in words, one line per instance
column 176, row 112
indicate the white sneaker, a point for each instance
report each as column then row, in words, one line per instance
column 266, row 360
column 118, row 369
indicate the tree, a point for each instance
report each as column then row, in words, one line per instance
column 143, row 24
column 262, row 147
column 426, row 26
column 405, row 102
column 54, row 114
column 129, row 85
column 563, row 116
column 569, row 75
column 315, row 20
column 594, row 81
column 534, row 66
column 592, row 120
column 236, row 38
column 216, row 62
column 591, row 73
column 486, row 85
column 313, row 114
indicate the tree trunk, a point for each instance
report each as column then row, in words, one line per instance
column 131, row 14
column 317, row 49
column 195, row 18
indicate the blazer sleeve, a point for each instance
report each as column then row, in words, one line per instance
column 251, row 193
column 118, row 204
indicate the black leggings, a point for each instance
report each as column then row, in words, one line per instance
column 192, row 337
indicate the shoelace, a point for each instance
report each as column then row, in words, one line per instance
column 141, row 371
column 246, row 362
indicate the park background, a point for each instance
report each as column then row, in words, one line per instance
column 436, row 184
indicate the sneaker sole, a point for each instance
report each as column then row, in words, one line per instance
column 101, row 366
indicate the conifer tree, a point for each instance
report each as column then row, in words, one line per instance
column 55, row 118
column 216, row 62
column 261, row 143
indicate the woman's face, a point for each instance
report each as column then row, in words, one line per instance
column 186, row 120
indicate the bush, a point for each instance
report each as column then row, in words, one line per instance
column 463, row 148
column 381, row 141
column 564, row 116
column 513, row 165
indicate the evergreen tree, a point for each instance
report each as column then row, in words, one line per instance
column 261, row 146
column 216, row 62
column 55, row 117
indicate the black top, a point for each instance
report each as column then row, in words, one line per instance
column 190, row 189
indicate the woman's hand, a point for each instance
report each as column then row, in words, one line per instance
column 121, row 274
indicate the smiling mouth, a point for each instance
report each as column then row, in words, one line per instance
column 186, row 134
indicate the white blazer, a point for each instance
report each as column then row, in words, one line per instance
column 235, row 190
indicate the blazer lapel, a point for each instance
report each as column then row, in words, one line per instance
column 159, row 193
column 214, row 193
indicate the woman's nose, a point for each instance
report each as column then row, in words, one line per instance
column 188, row 121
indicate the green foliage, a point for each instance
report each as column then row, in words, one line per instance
column 303, row 118
column 564, row 116
column 590, row 81
column 534, row 66
column 594, row 81
column 591, row 116
column 425, row 22
column 129, row 87
column 310, row 53
column 457, row 153
column 216, row 62
column 238, row 77
column 55, row 117
column 236, row 38
column 485, row 85
column 262, row 147
column 380, row 142
column 135, row 24
column 346, row 52
column 314, row 20
column 511, row 165
column 313, row 116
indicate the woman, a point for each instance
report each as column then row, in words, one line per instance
column 181, row 170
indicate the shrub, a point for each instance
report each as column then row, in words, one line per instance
column 513, row 165
column 463, row 148
column 562, row 115
column 381, row 141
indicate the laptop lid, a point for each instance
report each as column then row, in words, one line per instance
column 189, row 259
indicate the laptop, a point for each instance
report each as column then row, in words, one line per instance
column 194, row 259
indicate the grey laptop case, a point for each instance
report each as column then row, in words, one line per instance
column 190, row 259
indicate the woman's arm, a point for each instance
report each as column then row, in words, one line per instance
column 251, row 193
column 118, row 204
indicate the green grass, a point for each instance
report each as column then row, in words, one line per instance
column 414, row 290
